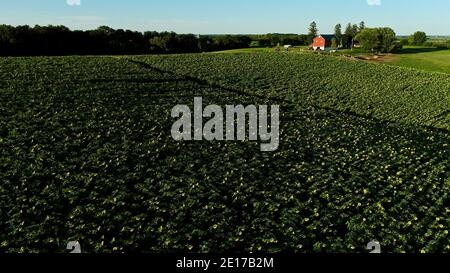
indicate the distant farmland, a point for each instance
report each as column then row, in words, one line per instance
column 86, row 154
column 422, row 58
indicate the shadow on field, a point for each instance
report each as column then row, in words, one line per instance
column 276, row 99
column 418, row 50
column 136, row 80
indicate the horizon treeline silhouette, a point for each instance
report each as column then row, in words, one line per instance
column 60, row 40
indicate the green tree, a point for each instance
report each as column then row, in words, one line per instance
column 418, row 38
column 313, row 31
column 369, row 39
column 338, row 34
column 105, row 30
column 362, row 26
column 377, row 39
column 348, row 30
column 387, row 38
column 355, row 30
column 404, row 42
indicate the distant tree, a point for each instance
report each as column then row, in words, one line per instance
column 418, row 38
column 105, row 30
column 59, row 40
column 377, row 39
column 349, row 30
column 387, row 38
column 362, row 26
column 313, row 31
column 350, row 33
column 338, row 34
column 369, row 39
column 404, row 42
column 355, row 30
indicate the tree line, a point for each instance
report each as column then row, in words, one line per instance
column 382, row 39
column 275, row 39
column 420, row 38
column 60, row 40
column 342, row 39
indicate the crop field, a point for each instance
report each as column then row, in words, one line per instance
column 416, row 57
column 86, row 154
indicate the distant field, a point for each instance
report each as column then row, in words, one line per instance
column 261, row 50
column 422, row 58
column 359, row 87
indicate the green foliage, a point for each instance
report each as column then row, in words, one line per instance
column 338, row 34
column 442, row 44
column 313, row 31
column 385, row 93
column 351, row 30
column 272, row 39
column 86, row 154
column 404, row 42
column 418, row 38
column 377, row 39
column 424, row 58
column 60, row 41
column 387, row 38
column 361, row 26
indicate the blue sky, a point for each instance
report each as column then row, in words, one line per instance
column 231, row 16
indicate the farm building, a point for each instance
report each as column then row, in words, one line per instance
column 322, row 41
column 325, row 41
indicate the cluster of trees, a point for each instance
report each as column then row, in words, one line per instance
column 209, row 43
column 420, row 38
column 378, row 39
column 441, row 44
column 274, row 39
column 342, row 38
column 59, row 40
column 372, row 39
column 347, row 38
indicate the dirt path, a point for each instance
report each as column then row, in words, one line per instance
column 382, row 58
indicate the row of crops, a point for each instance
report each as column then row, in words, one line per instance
column 86, row 154
column 377, row 91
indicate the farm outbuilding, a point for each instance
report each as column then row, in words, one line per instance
column 319, row 43
column 322, row 41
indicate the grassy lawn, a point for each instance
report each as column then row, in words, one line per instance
column 422, row 58
column 429, row 59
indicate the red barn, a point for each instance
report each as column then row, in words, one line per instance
column 319, row 43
